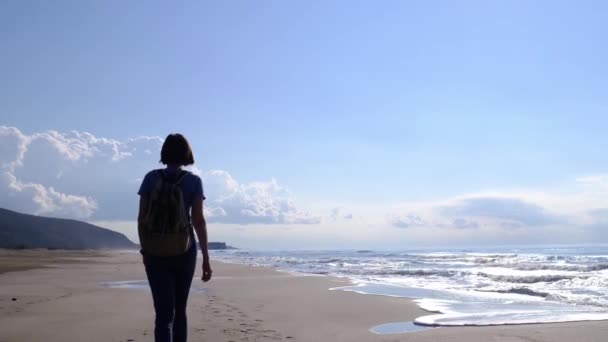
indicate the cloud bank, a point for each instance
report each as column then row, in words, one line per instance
column 78, row 175
column 56, row 174
column 575, row 214
column 477, row 211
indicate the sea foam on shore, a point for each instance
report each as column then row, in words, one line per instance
column 509, row 286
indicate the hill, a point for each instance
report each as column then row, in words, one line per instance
column 29, row 231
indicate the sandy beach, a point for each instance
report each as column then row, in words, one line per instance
column 67, row 296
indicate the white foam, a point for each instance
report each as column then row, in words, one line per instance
column 502, row 318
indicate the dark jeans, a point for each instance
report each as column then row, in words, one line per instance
column 170, row 279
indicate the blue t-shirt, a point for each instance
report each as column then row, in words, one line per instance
column 191, row 185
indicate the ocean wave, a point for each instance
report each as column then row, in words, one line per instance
column 329, row 261
column 484, row 261
column 418, row 273
column 596, row 301
column 562, row 267
column 529, row 279
column 458, row 257
column 520, row 290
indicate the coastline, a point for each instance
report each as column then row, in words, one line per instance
column 65, row 301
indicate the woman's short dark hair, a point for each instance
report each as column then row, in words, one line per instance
column 176, row 151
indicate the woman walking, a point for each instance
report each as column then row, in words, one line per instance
column 170, row 211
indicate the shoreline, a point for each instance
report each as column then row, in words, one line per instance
column 455, row 295
column 67, row 302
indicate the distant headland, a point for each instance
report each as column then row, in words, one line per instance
column 219, row 245
column 23, row 231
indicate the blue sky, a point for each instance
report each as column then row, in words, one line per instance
column 354, row 104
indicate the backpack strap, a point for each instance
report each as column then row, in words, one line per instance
column 182, row 175
column 173, row 180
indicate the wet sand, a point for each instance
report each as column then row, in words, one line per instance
column 70, row 298
column 12, row 260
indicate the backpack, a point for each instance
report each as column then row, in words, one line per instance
column 166, row 228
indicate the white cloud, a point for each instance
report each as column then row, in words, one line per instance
column 13, row 145
column 74, row 175
column 79, row 175
column 408, row 220
column 40, row 200
column 340, row 213
column 229, row 201
column 503, row 209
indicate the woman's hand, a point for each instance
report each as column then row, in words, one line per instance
column 206, row 271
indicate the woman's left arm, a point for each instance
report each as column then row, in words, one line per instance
column 200, row 226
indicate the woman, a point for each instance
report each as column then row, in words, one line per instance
column 170, row 277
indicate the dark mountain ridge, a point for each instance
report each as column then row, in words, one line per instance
column 19, row 230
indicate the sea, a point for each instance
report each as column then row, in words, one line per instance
column 464, row 286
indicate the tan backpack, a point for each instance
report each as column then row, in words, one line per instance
column 166, row 229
